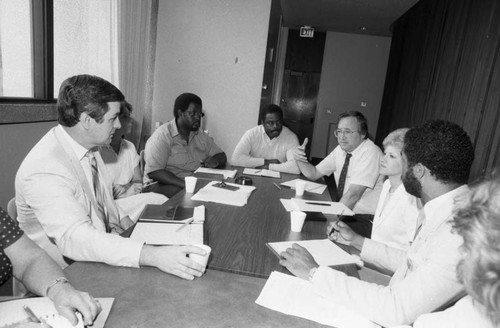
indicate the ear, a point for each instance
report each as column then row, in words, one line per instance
column 85, row 120
column 179, row 112
column 419, row 170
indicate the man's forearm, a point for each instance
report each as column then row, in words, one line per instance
column 308, row 170
column 167, row 178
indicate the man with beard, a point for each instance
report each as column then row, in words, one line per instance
column 63, row 192
column 179, row 147
column 437, row 159
column 268, row 145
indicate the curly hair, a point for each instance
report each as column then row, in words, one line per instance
column 271, row 109
column 85, row 93
column 182, row 102
column 443, row 147
column 477, row 220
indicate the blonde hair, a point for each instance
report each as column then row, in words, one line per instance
column 396, row 138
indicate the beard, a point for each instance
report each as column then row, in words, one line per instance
column 411, row 184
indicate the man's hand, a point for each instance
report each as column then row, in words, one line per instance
column 299, row 153
column 342, row 233
column 298, row 261
column 68, row 300
column 173, row 259
column 211, row 162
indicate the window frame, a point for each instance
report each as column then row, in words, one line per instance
column 42, row 106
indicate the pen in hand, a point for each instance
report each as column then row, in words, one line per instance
column 333, row 230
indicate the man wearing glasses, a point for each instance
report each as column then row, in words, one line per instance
column 269, row 145
column 355, row 165
column 177, row 148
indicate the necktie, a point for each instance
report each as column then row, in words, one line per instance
column 343, row 176
column 98, row 191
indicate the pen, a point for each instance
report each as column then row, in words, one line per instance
column 321, row 204
column 339, row 220
column 188, row 221
column 30, row 314
column 276, row 185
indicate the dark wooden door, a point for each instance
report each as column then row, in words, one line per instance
column 301, row 77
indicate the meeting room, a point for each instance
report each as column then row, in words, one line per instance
column 264, row 163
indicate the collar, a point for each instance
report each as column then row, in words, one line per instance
column 78, row 149
column 440, row 208
column 174, row 131
column 359, row 148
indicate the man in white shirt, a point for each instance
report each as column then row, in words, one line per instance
column 63, row 192
column 355, row 165
column 437, row 159
column 269, row 145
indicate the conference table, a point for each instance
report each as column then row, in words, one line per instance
column 225, row 295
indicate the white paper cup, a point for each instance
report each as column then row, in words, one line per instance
column 201, row 259
column 297, row 219
column 299, row 187
column 190, row 184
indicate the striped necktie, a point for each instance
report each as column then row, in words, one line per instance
column 343, row 176
column 98, row 191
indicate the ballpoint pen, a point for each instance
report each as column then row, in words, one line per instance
column 276, row 185
column 320, row 204
column 339, row 220
column 188, row 221
column 33, row 317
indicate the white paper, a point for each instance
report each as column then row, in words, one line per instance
column 167, row 233
column 295, row 296
column 228, row 174
column 289, row 205
column 209, row 193
column 323, row 251
column 12, row 311
column 262, row 172
column 306, row 205
column 316, row 188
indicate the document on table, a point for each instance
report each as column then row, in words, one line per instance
column 313, row 187
column 12, row 312
column 305, row 205
column 262, row 172
column 210, row 193
column 227, row 173
column 323, row 251
column 294, row 296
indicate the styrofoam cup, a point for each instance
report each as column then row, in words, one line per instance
column 300, row 186
column 201, row 259
column 297, row 219
column 190, row 184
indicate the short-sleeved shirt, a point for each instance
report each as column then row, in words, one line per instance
column 9, row 234
column 363, row 170
column 166, row 149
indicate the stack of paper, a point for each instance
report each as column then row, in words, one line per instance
column 295, row 296
column 304, row 205
column 210, row 193
column 263, row 173
column 313, row 187
column 323, row 251
column 228, row 174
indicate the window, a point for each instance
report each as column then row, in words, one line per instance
column 43, row 42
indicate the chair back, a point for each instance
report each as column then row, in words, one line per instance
column 12, row 209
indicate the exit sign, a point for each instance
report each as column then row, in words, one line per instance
column 306, row 32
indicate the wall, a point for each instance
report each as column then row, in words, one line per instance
column 216, row 50
column 16, row 140
column 354, row 69
column 445, row 64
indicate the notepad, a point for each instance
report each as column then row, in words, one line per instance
column 228, row 174
column 262, row 172
column 209, row 193
column 323, row 251
column 161, row 213
column 316, row 188
column 294, row 296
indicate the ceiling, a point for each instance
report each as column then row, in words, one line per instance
column 372, row 17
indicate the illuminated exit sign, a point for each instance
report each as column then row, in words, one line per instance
column 306, row 32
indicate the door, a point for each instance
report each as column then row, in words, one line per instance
column 300, row 86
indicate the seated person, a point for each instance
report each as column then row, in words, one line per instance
column 123, row 164
column 177, row 148
column 21, row 257
column 267, row 145
column 437, row 158
column 63, row 198
column 478, row 222
column 358, row 179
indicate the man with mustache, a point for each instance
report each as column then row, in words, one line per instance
column 63, row 192
column 269, row 145
column 437, row 158
column 177, row 148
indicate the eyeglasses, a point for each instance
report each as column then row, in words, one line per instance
column 271, row 123
column 193, row 114
column 346, row 133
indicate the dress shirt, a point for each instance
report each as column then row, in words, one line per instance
column 395, row 220
column 255, row 147
column 424, row 280
column 56, row 208
column 363, row 170
column 166, row 149
column 121, row 168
